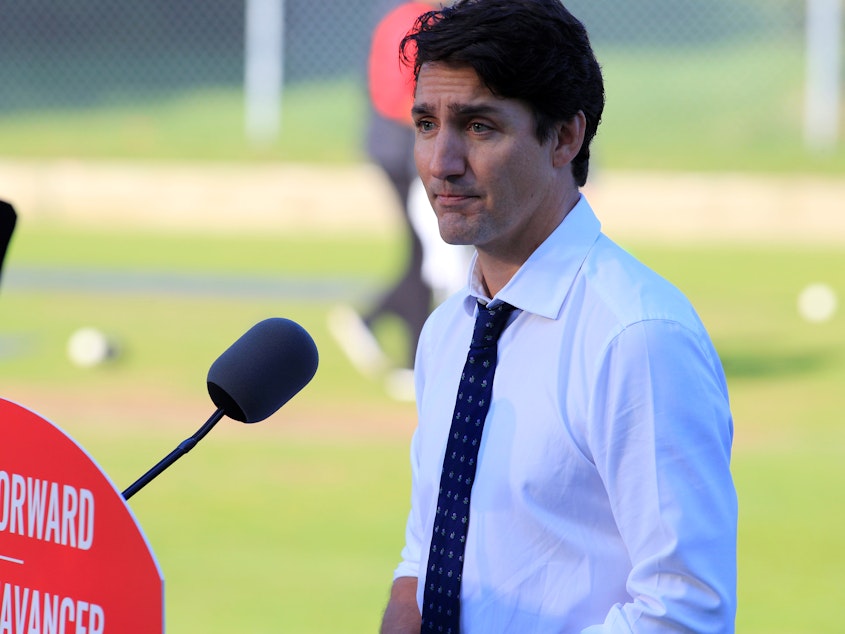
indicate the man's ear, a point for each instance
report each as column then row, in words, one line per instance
column 569, row 139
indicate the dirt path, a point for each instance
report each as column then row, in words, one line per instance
column 232, row 197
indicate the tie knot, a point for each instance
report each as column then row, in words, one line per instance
column 489, row 324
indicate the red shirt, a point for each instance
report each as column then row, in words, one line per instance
column 391, row 82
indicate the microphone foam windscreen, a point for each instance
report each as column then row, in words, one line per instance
column 8, row 218
column 262, row 370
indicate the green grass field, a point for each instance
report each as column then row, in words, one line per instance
column 294, row 525
column 728, row 108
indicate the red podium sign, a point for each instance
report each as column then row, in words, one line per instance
column 73, row 559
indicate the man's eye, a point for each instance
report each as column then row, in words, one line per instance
column 424, row 125
column 478, row 127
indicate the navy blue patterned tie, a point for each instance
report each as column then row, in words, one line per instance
column 442, row 594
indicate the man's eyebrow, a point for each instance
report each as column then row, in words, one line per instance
column 473, row 110
column 457, row 109
column 418, row 110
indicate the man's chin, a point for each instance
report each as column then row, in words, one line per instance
column 456, row 239
column 456, row 233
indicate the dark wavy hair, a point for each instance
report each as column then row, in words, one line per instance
column 532, row 50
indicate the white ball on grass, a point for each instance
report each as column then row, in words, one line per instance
column 817, row 302
column 88, row 347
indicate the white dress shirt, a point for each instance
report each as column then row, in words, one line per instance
column 603, row 500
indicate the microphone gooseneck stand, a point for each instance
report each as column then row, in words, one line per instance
column 184, row 447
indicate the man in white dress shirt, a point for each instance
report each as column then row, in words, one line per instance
column 603, row 500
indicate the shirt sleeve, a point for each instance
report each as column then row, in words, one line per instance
column 409, row 566
column 660, row 435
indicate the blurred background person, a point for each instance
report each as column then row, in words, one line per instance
column 429, row 272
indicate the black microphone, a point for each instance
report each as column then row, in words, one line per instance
column 251, row 380
column 8, row 218
column 262, row 370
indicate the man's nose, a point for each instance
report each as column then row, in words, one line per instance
column 447, row 155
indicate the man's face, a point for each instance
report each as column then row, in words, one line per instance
column 491, row 182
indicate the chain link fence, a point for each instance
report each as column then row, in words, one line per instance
column 81, row 53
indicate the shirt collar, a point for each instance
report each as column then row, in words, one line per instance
column 541, row 284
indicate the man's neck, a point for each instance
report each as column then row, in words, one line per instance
column 497, row 266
